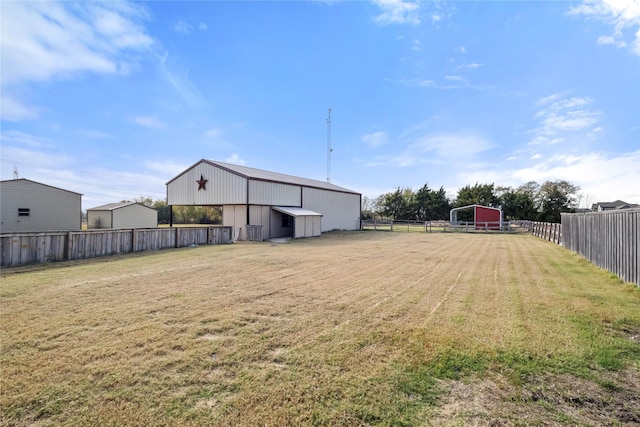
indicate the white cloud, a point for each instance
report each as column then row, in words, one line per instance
column 375, row 139
column 165, row 167
column 559, row 116
column 187, row 28
column 436, row 148
column 45, row 40
column 451, row 145
column 622, row 15
column 148, row 122
column 15, row 111
column 212, row 133
column 183, row 27
column 179, row 80
column 397, row 12
column 93, row 134
column 602, row 40
column 462, row 49
column 22, row 138
column 235, row 159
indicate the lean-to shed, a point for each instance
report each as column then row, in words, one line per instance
column 277, row 204
column 30, row 206
column 122, row 215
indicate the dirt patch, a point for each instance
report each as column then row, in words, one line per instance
column 550, row 400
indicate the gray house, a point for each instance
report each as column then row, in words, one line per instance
column 30, row 206
column 611, row 206
column 122, row 215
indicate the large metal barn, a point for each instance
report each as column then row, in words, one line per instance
column 266, row 204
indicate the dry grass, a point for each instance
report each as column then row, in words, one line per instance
column 366, row 328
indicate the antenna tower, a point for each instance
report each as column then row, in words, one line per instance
column 329, row 149
column 15, row 172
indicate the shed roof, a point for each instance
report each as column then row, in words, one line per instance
column 263, row 175
column 114, row 206
column 295, row 212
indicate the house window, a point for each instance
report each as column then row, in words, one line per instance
column 285, row 220
column 24, row 211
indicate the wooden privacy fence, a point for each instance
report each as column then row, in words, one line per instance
column 607, row 239
column 27, row 248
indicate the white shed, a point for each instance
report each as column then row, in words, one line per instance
column 122, row 215
column 30, row 206
column 281, row 205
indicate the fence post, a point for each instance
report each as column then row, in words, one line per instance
column 69, row 246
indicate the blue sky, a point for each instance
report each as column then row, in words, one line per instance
column 114, row 99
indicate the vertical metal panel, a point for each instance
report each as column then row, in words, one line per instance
column 260, row 215
column 235, row 216
column 274, row 194
column 98, row 219
column 50, row 209
column 222, row 187
column 341, row 211
column 135, row 216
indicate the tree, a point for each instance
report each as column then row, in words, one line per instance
column 556, row 197
column 398, row 204
column 422, row 202
column 367, row 208
column 479, row 194
column 519, row 203
column 439, row 205
column 430, row 204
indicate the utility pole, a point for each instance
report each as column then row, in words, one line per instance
column 329, row 149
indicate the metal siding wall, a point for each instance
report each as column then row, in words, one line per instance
column 222, row 188
column 135, row 216
column 51, row 209
column 103, row 217
column 341, row 211
column 273, row 194
column 259, row 215
column 235, row 216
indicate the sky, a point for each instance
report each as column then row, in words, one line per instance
column 114, row 99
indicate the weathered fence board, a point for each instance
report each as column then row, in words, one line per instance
column 607, row 239
column 27, row 248
column 550, row 231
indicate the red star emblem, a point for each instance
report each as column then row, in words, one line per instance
column 202, row 183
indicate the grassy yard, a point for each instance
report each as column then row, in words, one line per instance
column 349, row 329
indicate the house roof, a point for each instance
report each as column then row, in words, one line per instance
column 295, row 212
column 114, row 206
column 9, row 181
column 618, row 204
column 263, row 175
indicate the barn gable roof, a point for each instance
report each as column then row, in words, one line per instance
column 9, row 181
column 263, row 175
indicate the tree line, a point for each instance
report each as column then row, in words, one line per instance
column 531, row 201
column 182, row 214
